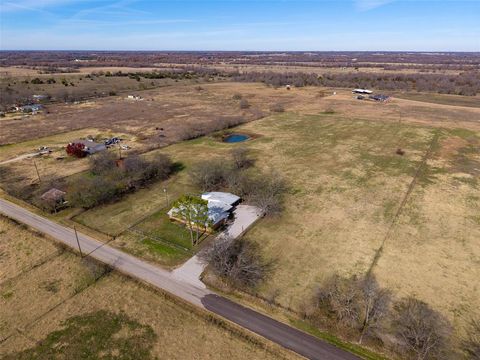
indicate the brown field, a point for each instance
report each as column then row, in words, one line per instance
column 37, row 301
column 347, row 184
column 349, row 208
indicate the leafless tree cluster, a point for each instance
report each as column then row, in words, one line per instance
column 264, row 189
column 357, row 303
column 217, row 124
column 360, row 306
column 466, row 83
column 238, row 261
column 422, row 332
column 112, row 178
column 74, row 59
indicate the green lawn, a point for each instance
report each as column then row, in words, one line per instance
column 115, row 218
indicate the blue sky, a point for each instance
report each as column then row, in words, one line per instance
column 413, row 25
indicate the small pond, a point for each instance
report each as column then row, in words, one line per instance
column 235, row 138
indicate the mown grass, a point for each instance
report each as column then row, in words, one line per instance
column 115, row 218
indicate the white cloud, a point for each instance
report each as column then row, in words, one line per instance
column 365, row 5
column 32, row 5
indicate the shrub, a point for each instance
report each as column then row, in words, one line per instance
column 278, row 108
column 240, row 158
column 76, row 149
column 244, row 104
column 237, row 96
column 102, row 162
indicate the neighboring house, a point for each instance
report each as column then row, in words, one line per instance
column 91, row 147
column 220, row 207
column 32, row 108
column 39, row 97
column 362, row 91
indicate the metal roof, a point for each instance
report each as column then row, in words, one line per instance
column 224, row 197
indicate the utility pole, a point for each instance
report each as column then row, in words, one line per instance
column 78, row 242
column 36, row 168
column 166, row 195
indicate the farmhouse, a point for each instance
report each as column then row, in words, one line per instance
column 91, row 147
column 134, row 97
column 220, row 207
column 32, row 108
column 362, row 91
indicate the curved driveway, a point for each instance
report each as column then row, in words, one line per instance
column 280, row 333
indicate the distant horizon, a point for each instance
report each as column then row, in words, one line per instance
column 249, row 51
column 234, row 25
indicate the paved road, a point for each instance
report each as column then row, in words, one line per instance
column 280, row 333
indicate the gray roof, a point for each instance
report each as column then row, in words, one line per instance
column 91, row 147
column 53, row 195
column 223, row 197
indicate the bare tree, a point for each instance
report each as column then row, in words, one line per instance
column 375, row 305
column 210, row 175
column 244, row 104
column 102, row 162
column 339, row 298
column 237, row 261
column 471, row 345
column 266, row 190
column 240, row 158
column 358, row 303
column 422, row 332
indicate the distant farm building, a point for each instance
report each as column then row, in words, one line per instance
column 134, row 97
column 90, row 147
column 379, row 97
column 220, row 207
column 32, row 108
column 39, row 97
column 362, row 91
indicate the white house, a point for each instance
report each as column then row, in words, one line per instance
column 220, row 206
column 362, row 91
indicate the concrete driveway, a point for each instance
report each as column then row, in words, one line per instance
column 244, row 217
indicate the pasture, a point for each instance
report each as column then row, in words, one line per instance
column 355, row 205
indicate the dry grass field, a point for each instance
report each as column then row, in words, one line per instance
column 354, row 205
column 349, row 208
column 52, row 301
